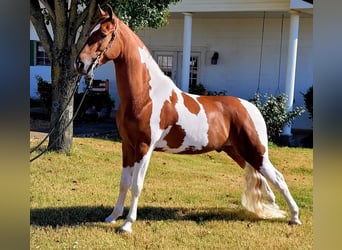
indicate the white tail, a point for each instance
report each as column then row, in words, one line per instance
column 258, row 197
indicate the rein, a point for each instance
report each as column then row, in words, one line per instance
column 89, row 80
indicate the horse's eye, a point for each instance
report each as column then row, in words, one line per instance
column 103, row 35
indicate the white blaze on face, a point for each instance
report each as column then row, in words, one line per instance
column 195, row 126
column 97, row 27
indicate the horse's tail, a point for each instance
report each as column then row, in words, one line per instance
column 253, row 198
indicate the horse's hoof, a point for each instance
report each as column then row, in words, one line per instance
column 125, row 228
column 110, row 219
column 120, row 230
column 295, row 222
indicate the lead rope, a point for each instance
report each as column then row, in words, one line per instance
column 90, row 79
column 261, row 51
column 68, row 124
column 280, row 53
column 59, row 119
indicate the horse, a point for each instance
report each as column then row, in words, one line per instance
column 155, row 115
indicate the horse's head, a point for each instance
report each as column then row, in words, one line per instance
column 100, row 46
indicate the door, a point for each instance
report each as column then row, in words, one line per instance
column 167, row 62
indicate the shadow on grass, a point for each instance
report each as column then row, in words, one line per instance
column 77, row 215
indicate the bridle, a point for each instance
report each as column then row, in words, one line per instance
column 90, row 72
column 89, row 81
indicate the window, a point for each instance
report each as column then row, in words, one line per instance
column 165, row 64
column 38, row 55
column 41, row 56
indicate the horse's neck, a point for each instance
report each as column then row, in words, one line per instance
column 135, row 70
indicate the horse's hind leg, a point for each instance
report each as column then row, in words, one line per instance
column 267, row 191
column 264, row 187
column 277, row 179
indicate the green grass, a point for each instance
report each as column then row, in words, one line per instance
column 188, row 202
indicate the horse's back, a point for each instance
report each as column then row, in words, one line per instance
column 212, row 125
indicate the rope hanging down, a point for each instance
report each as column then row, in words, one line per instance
column 280, row 52
column 89, row 85
column 59, row 119
column 261, row 50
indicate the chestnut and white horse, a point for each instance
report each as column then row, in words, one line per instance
column 155, row 115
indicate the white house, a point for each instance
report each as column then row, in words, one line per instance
column 260, row 46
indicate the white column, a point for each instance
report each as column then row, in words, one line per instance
column 186, row 51
column 291, row 65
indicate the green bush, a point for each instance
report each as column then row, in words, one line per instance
column 308, row 100
column 273, row 109
column 44, row 92
column 217, row 93
column 199, row 89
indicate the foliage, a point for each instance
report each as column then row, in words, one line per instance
column 35, row 102
column 44, row 92
column 274, row 112
column 199, row 89
column 188, row 202
column 139, row 14
column 308, row 100
column 218, row 93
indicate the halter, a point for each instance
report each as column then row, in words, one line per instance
column 90, row 72
column 89, row 80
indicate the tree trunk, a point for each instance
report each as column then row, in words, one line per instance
column 63, row 84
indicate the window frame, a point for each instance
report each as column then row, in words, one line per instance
column 38, row 56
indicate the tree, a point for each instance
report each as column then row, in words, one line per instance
column 62, row 26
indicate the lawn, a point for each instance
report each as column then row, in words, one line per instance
column 188, row 202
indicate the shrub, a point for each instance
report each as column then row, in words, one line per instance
column 308, row 100
column 34, row 102
column 44, row 92
column 199, row 89
column 274, row 112
column 218, row 93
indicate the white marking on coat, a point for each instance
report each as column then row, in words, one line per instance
column 195, row 125
column 97, row 27
column 258, row 121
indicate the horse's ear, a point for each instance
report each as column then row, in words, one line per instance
column 101, row 12
column 111, row 12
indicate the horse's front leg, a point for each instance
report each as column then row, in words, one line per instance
column 125, row 183
column 139, row 172
column 128, row 154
